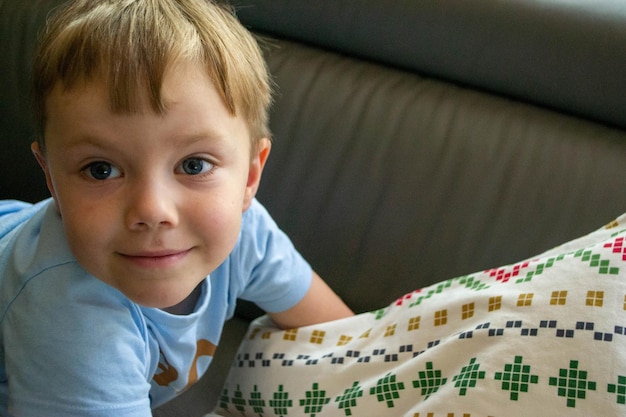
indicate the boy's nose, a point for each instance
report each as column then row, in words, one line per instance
column 150, row 206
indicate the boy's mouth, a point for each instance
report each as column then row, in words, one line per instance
column 156, row 259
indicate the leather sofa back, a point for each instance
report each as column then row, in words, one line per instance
column 413, row 141
column 419, row 141
column 387, row 180
column 20, row 21
column 560, row 54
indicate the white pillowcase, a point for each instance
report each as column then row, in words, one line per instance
column 543, row 337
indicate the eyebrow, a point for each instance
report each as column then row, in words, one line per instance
column 191, row 138
column 186, row 139
column 85, row 140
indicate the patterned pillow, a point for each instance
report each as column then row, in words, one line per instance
column 543, row 337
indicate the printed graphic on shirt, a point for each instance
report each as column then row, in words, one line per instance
column 169, row 374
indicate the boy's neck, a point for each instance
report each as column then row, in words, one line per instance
column 188, row 305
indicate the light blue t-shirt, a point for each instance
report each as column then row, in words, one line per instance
column 71, row 345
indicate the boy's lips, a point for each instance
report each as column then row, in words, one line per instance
column 156, row 259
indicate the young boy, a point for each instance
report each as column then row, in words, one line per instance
column 153, row 138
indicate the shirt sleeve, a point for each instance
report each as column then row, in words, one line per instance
column 13, row 213
column 274, row 274
column 12, row 206
column 79, row 356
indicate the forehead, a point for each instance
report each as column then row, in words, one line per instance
column 190, row 103
column 180, row 83
column 141, row 93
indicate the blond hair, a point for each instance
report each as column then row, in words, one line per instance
column 132, row 43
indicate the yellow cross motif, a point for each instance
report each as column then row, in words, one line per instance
column 317, row 336
column 290, row 334
column 525, row 300
column 391, row 330
column 344, row 340
column 253, row 333
column 558, row 298
column 495, row 303
column 595, row 298
column 441, row 317
column 414, row 322
column 467, row 311
column 366, row 334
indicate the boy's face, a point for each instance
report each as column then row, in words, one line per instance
column 151, row 204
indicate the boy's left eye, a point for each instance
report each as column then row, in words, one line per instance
column 195, row 166
column 101, row 170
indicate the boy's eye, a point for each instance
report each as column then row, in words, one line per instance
column 196, row 166
column 101, row 170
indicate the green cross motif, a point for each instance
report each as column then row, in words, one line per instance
column 224, row 399
column 549, row 263
column 603, row 265
column 472, row 283
column 619, row 389
column 438, row 290
column 238, row 400
column 280, row 402
column 619, row 232
column 348, row 399
column 468, row 377
column 516, row 378
column 387, row 389
column 315, row 400
column 572, row 383
column 380, row 313
column 429, row 380
column 256, row 402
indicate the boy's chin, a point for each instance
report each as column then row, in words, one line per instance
column 173, row 300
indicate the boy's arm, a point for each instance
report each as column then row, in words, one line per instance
column 319, row 304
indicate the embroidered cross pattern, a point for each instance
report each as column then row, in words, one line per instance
column 280, row 402
column 516, row 378
column 348, row 399
column 504, row 274
column 387, row 389
column 468, row 377
column 314, row 401
column 256, row 402
column 238, row 400
column 619, row 389
column 438, row 289
column 572, row 383
column 595, row 261
column 429, row 380
column 472, row 283
column 247, row 360
column 618, row 246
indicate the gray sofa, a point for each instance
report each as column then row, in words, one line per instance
column 414, row 141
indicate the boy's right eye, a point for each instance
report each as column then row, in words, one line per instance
column 101, row 170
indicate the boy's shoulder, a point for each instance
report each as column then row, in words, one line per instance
column 31, row 241
column 256, row 223
column 14, row 213
column 22, row 226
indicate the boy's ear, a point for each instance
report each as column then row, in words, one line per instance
column 41, row 159
column 257, row 163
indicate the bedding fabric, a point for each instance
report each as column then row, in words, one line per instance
column 546, row 336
